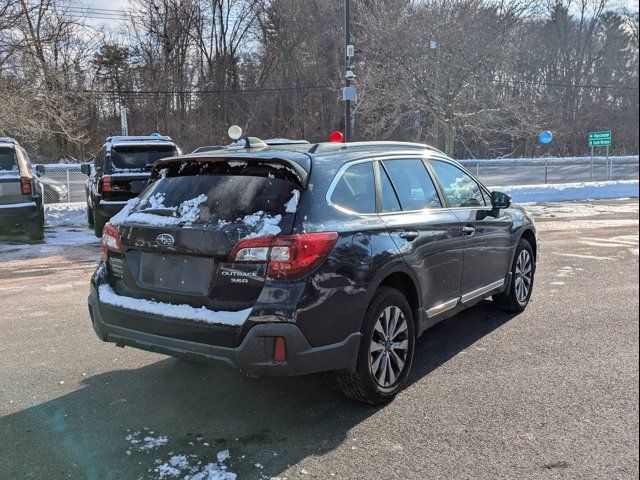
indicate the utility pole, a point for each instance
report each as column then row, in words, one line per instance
column 349, row 93
column 124, row 124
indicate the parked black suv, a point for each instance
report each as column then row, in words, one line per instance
column 21, row 192
column 298, row 259
column 121, row 172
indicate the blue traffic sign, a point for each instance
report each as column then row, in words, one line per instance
column 545, row 137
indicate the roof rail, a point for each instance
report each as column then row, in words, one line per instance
column 7, row 140
column 325, row 147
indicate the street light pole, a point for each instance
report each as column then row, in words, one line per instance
column 347, row 103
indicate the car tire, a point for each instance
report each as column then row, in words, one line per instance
column 523, row 270
column 35, row 231
column 381, row 370
column 90, row 215
column 98, row 223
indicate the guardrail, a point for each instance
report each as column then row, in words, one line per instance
column 533, row 171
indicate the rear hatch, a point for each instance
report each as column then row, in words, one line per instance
column 10, row 190
column 131, row 165
column 176, row 238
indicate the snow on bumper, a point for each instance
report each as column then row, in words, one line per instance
column 183, row 312
column 254, row 354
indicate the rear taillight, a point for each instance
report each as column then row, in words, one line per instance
column 105, row 184
column 25, row 186
column 110, row 240
column 288, row 255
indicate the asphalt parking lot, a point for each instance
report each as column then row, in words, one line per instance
column 551, row 393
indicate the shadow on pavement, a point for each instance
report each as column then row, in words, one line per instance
column 82, row 434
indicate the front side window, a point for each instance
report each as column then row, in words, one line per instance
column 355, row 189
column 413, row 184
column 460, row 188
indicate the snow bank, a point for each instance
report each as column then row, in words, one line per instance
column 66, row 214
column 184, row 312
column 565, row 192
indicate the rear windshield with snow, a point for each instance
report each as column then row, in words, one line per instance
column 8, row 160
column 257, row 200
column 138, row 157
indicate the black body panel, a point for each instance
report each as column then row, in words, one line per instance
column 426, row 254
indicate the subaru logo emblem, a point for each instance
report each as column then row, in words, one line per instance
column 165, row 240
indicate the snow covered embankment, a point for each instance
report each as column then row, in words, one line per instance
column 565, row 192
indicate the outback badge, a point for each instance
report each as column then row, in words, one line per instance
column 165, row 240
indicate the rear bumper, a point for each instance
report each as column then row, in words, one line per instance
column 253, row 356
column 19, row 213
column 108, row 208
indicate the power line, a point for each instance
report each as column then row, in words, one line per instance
column 151, row 93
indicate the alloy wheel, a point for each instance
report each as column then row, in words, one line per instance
column 524, row 276
column 389, row 346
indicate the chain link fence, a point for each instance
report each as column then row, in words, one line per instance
column 63, row 183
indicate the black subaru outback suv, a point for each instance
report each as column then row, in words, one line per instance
column 122, row 168
column 298, row 259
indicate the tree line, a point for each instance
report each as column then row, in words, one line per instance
column 475, row 78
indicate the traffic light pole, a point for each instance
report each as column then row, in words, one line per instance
column 347, row 103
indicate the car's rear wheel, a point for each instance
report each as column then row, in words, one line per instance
column 89, row 214
column 523, row 272
column 386, row 350
column 35, row 231
column 98, row 223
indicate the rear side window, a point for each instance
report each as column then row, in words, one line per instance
column 413, row 184
column 8, row 159
column 389, row 198
column 461, row 189
column 355, row 189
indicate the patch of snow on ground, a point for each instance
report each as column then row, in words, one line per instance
column 66, row 214
column 147, row 442
column 185, row 312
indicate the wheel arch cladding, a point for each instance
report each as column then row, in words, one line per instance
column 405, row 284
column 530, row 237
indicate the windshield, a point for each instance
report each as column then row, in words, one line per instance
column 138, row 157
column 8, row 159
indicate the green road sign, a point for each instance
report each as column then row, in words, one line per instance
column 600, row 139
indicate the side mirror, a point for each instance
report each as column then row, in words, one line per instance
column 40, row 170
column 500, row 200
column 86, row 168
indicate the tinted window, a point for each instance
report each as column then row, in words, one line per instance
column 138, row 157
column 355, row 189
column 8, row 159
column 461, row 189
column 389, row 198
column 413, row 184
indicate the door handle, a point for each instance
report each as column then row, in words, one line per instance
column 409, row 235
column 468, row 230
